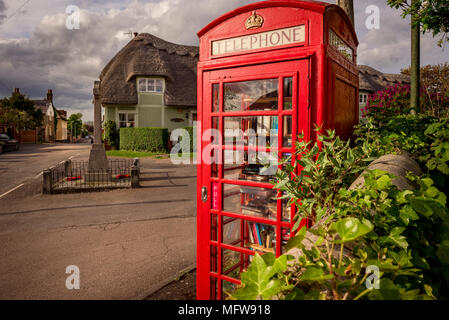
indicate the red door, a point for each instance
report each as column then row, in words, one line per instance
column 250, row 117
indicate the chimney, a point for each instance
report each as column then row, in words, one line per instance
column 136, row 34
column 16, row 91
column 50, row 95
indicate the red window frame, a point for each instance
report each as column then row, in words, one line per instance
column 210, row 239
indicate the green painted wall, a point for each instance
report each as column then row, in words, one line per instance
column 172, row 113
column 151, row 99
column 151, row 112
column 149, row 117
column 109, row 113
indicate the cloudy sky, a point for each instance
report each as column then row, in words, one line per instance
column 38, row 52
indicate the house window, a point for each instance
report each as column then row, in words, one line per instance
column 151, row 85
column 127, row 120
column 363, row 98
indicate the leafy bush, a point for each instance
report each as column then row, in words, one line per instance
column 144, row 139
column 395, row 134
column 402, row 234
column 438, row 158
column 405, row 234
column 111, row 134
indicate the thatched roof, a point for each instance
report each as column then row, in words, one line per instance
column 147, row 55
column 373, row 80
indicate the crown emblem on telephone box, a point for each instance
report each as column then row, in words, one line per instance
column 253, row 22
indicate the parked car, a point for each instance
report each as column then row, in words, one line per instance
column 6, row 143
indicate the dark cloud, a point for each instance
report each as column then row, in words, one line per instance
column 69, row 61
column 2, row 11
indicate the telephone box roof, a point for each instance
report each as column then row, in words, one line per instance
column 317, row 6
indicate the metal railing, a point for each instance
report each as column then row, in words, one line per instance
column 72, row 176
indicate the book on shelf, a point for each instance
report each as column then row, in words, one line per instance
column 261, row 237
column 251, row 235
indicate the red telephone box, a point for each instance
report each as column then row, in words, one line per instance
column 267, row 72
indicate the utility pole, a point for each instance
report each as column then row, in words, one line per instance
column 348, row 6
column 415, row 64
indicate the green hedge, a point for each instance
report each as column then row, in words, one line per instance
column 191, row 146
column 144, row 139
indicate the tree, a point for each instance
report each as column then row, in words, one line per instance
column 430, row 14
column 434, row 78
column 21, row 112
column 75, row 124
column 13, row 117
column 89, row 127
column 348, row 6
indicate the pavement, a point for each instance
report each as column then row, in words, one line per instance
column 126, row 243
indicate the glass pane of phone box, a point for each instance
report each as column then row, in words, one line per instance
column 255, row 236
column 253, row 131
column 251, row 95
column 250, row 165
column 251, row 201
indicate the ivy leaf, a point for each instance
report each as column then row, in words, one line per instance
column 407, row 213
column 350, row 229
column 269, row 259
column 387, row 291
column 432, row 192
column 258, row 282
column 315, row 274
column 383, row 182
column 402, row 258
column 246, row 293
column 422, row 206
column 280, row 264
column 444, row 168
column 396, row 238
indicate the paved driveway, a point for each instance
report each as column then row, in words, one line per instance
column 126, row 243
column 17, row 167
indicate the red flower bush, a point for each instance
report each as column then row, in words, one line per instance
column 395, row 100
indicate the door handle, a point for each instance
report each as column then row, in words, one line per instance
column 204, row 194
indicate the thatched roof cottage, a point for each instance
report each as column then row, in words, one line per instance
column 151, row 83
column 372, row 80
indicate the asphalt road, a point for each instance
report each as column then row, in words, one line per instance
column 126, row 243
column 17, row 167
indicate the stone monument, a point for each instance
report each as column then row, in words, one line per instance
column 98, row 162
